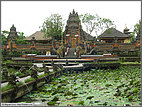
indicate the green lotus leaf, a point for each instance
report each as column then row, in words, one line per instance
column 51, row 103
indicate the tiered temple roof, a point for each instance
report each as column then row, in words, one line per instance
column 38, row 35
column 12, row 34
column 112, row 32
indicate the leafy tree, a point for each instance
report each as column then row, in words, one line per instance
column 4, row 35
column 95, row 23
column 20, row 38
column 136, row 31
column 137, row 28
column 52, row 27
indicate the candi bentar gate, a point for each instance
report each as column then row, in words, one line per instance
column 74, row 34
column 75, row 41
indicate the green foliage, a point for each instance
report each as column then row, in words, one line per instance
column 81, row 102
column 51, row 103
column 10, row 53
column 130, row 98
column 52, row 26
column 7, row 61
column 4, row 35
column 116, row 87
column 16, row 53
column 95, row 23
column 19, row 83
column 137, row 27
column 20, row 39
column 11, row 70
column 107, row 85
column 7, row 87
column 136, row 32
column 3, row 38
column 2, row 77
column 77, row 62
column 135, row 90
column 35, row 52
column 19, row 74
column 29, row 80
column 40, row 76
column 130, row 63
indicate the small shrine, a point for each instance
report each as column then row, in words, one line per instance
column 12, row 34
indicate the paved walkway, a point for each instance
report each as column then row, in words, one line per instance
column 74, row 66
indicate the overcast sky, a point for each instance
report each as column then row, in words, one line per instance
column 27, row 16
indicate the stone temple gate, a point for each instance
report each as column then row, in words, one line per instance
column 74, row 34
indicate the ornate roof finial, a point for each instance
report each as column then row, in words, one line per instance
column 73, row 11
column 12, row 25
column 126, row 26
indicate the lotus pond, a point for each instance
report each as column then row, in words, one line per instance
column 118, row 87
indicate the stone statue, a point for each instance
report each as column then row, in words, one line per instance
column 55, row 67
column 5, row 73
column 34, row 72
column 12, row 80
column 35, row 67
column 52, row 62
column 60, row 66
column 46, row 69
column 67, row 62
column 23, row 69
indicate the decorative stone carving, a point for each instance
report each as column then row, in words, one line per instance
column 67, row 62
column 46, row 69
column 60, row 66
column 52, row 62
column 55, row 67
column 12, row 80
column 12, row 34
column 34, row 72
column 5, row 73
column 23, row 69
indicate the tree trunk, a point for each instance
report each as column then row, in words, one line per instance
column 53, row 40
column 85, row 46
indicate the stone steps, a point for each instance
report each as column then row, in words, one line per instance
column 70, row 54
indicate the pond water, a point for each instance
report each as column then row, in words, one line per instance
column 119, row 87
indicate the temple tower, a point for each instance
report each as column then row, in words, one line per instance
column 72, row 30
